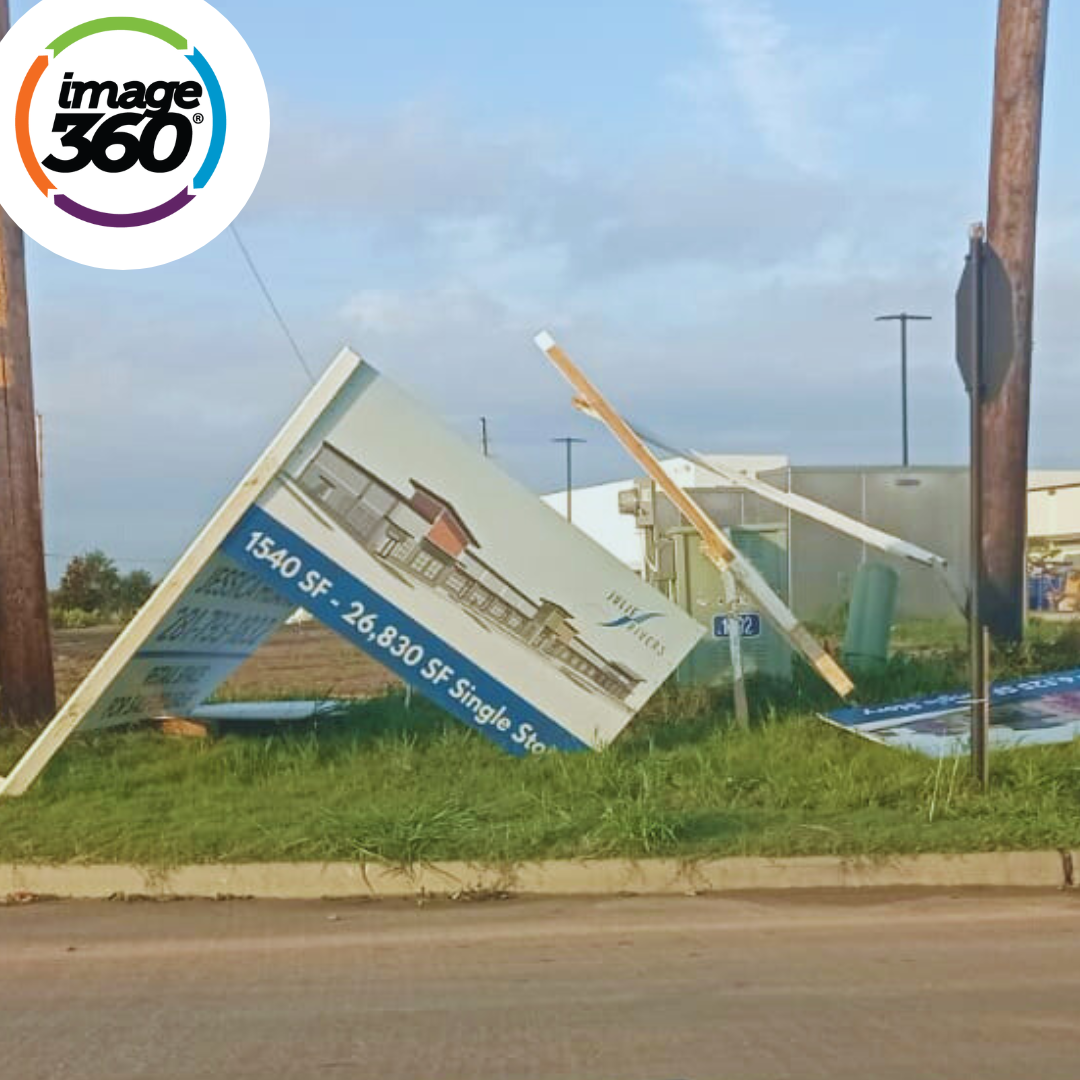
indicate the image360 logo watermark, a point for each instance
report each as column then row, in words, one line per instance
column 136, row 134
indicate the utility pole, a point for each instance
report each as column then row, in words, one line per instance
column 903, row 318
column 569, row 441
column 27, row 688
column 484, row 437
column 1014, row 189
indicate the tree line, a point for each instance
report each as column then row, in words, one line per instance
column 93, row 591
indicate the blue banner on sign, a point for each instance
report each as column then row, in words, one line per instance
column 299, row 571
column 1015, row 690
column 749, row 625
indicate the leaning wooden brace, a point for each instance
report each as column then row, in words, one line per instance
column 714, row 544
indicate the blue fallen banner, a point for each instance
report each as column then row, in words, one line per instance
column 1033, row 711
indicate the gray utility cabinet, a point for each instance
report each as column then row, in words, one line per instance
column 676, row 566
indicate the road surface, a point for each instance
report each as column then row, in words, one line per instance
column 982, row 986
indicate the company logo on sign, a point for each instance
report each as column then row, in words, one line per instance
column 631, row 618
column 135, row 141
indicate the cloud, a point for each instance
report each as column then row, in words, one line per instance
column 415, row 163
column 771, row 76
column 804, row 100
column 533, row 205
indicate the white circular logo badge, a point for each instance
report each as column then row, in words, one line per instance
column 131, row 134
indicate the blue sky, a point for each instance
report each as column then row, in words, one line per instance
column 706, row 200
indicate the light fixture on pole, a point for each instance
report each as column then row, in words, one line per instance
column 903, row 318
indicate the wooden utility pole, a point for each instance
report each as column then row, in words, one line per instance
column 1014, row 190
column 27, row 689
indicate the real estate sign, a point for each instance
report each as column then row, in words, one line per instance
column 1034, row 711
column 418, row 550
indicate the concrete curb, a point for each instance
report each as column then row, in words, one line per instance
column 653, row 877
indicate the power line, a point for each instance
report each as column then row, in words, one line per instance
column 260, row 281
column 297, row 352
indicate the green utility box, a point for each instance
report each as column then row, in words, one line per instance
column 870, row 619
column 697, row 590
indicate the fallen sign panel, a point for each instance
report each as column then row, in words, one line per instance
column 1034, row 711
column 405, row 540
column 270, row 712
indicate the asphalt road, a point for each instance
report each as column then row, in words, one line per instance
column 906, row 986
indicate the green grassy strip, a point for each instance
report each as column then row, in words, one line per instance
column 410, row 785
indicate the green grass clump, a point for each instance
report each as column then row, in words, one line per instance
column 407, row 784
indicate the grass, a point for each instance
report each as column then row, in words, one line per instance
column 409, row 785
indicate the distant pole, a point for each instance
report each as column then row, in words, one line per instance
column 27, row 688
column 484, row 436
column 569, row 441
column 1011, row 223
column 40, row 429
column 903, row 318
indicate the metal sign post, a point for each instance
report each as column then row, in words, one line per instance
column 730, row 592
column 980, row 689
column 984, row 334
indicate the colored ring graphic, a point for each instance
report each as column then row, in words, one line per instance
column 139, row 217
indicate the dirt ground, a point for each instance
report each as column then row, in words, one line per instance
column 305, row 659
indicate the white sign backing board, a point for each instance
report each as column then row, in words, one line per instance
column 405, row 540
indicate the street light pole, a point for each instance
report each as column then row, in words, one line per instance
column 903, row 318
column 569, row 440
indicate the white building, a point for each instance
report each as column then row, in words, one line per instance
column 595, row 509
column 1054, row 509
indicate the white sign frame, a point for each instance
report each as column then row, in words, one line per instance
column 180, row 577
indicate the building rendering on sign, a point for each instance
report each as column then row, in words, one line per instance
column 422, row 537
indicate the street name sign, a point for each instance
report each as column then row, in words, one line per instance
column 749, row 625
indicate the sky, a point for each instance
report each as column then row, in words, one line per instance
column 706, row 201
